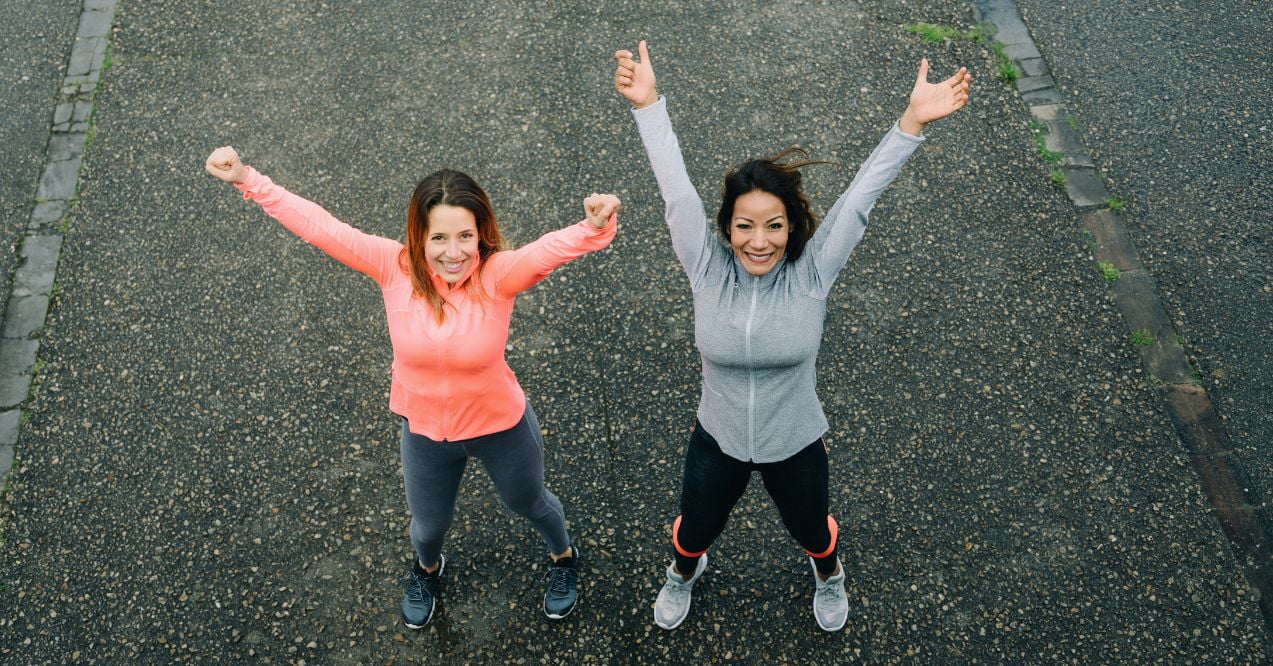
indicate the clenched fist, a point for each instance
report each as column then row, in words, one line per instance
column 224, row 163
column 600, row 208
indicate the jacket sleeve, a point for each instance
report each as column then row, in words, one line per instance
column 371, row 255
column 845, row 223
column 514, row 271
column 686, row 219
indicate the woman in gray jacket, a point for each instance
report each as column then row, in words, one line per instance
column 759, row 306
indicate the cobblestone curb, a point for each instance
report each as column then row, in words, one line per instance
column 1192, row 414
column 33, row 282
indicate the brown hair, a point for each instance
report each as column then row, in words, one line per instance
column 781, row 178
column 451, row 188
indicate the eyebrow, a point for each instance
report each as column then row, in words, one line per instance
column 776, row 217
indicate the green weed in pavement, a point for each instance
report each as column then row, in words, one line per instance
column 1004, row 66
column 1058, row 177
column 1143, row 338
column 1116, row 204
column 1109, row 271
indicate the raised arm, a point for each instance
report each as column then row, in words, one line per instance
column 371, row 255
column 518, row 270
column 846, row 222
column 686, row 219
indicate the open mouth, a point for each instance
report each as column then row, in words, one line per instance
column 452, row 266
column 760, row 258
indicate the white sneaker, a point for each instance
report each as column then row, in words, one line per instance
column 830, row 603
column 673, row 603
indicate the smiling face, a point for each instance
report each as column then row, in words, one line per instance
column 758, row 231
column 451, row 244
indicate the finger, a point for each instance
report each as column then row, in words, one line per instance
column 644, row 51
column 922, row 77
column 623, row 81
column 957, row 77
column 628, row 64
column 622, row 55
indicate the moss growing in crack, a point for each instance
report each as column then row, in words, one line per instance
column 1072, row 122
column 1143, row 338
column 1195, row 372
column 35, row 379
column 1004, row 67
column 1116, row 204
column 1049, row 156
column 1109, row 271
column 1058, row 177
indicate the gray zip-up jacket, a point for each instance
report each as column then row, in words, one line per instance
column 759, row 336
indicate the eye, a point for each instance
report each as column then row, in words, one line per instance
column 436, row 237
column 742, row 226
column 466, row 235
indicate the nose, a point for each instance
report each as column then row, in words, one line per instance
column 756, row 239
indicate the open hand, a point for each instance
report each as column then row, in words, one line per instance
column 600, row 209
column 635, row 80
column 224, row 163
column 934, row 101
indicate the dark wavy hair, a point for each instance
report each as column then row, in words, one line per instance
column 778, row 175
column 452, row 188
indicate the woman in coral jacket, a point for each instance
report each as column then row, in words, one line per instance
column 448, row 296
column 759, row 305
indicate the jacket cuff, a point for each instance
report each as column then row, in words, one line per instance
column 252, row 183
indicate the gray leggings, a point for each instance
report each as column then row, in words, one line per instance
column 514, row 459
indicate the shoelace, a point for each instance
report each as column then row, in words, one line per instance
column 828, row 592
column 561, row 578
column 417, row 590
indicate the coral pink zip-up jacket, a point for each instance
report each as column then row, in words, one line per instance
column 450, row 380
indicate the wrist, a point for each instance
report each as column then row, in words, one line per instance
column 654, row 97
column 910, row 124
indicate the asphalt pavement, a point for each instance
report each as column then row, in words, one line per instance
column 37, row 39
column 209, row 471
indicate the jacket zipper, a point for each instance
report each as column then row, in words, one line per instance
column 751, row 378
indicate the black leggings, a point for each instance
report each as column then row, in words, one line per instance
column 714, row 482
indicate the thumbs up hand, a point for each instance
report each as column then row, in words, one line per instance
column 635, row 80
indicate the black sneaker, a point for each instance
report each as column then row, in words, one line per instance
column 563, row 581
column 421, row 598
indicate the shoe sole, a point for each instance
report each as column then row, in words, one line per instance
column 826, row 628
column 670, row 627
column 437, row 602
column 563, row 615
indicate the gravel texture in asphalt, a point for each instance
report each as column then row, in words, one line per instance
column 37, row 37
column 210, row 472
column 1184, row 136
